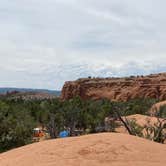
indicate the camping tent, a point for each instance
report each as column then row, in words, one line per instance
column 63, row 134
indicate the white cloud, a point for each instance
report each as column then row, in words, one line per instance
column 44, row 43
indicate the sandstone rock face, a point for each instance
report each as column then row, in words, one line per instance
column 156, row 108
column 106, row 149
column 118, row 89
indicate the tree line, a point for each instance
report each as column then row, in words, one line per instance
column 18, row 117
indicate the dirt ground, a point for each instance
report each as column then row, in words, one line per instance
column 106, row 149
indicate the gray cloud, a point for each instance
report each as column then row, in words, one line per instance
column 44, row 43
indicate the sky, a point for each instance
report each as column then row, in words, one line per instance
column 44, row 43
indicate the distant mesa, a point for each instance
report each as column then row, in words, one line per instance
column 118, row 89
column 28, row 94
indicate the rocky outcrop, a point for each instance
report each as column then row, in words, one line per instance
column 118, row 89
column 157, row 107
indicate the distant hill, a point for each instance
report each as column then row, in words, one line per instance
column 52, row 92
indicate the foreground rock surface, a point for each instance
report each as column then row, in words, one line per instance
column 119, row 89
column 95, row 150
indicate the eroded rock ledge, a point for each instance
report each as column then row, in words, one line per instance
column 118, row 89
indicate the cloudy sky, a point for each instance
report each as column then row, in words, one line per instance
column 46, row 42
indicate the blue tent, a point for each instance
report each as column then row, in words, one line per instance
column 63, row 134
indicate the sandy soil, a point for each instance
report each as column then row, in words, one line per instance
column 107, row 149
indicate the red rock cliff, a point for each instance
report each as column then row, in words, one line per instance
column 119, row 89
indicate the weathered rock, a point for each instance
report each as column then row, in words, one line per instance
column 119, row 89
column 156, row 108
